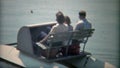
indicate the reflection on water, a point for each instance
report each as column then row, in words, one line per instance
column 103, row 14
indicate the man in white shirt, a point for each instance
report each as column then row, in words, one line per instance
column 59, row 27
column 83, row 22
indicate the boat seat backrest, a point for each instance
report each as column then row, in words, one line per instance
column 29, row 35
column 80, row 35
column 66, row 37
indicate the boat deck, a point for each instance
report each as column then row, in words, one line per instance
column 14, row 56
column 11, row 54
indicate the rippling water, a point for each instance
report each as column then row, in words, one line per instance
column 103, row 14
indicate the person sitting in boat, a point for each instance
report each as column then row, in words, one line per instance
column 68, row 22
column 83, row 23
column 70, row 28
column 59, row 27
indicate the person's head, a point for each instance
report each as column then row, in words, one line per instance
column 82, row 14
column 60, row 17
column 67, row 20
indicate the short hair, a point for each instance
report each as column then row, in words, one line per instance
column 60, row 17
column 82, row 13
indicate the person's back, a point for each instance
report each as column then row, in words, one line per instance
column 83, row 22
column 59, row 28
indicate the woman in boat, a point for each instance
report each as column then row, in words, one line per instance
column 68, row 22
column 59, row 27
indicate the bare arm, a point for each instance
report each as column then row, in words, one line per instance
column 45, row 39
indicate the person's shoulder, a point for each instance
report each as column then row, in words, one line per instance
column 80, row 22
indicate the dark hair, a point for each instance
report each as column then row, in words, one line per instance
column 60, row 17
column 82, row 13
column 67, row 19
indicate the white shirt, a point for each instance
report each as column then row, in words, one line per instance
column 59, row 28
column 56, row 29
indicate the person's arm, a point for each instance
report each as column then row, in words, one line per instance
column 44, row 39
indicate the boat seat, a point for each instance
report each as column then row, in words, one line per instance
column 82, row 36
column 29, row 35
column 64, row 39
column 57, row 41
